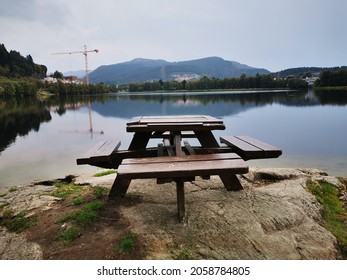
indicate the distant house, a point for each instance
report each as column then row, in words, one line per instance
column 66, row 80
column 72, row 80
column 310, row 80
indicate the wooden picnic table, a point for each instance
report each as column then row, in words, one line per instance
column 180, row 166
column 147, row 127
column 172, row 161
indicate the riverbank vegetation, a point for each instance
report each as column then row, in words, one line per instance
column 32, row 86
column 334, row 212
column 333, row 79
column 21, row 76
column 205, row 83
column 14, row 65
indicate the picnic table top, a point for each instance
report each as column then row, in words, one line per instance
column 174, row 123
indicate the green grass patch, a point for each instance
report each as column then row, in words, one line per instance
column 69, row 234
column 77, row 201
column 334, row 213
column 127, row 243
column 16, row 223
column 99, row 191
column 87, row 215
column 65, row 190
column 104, row 173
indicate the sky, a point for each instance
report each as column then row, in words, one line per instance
column 271, row 34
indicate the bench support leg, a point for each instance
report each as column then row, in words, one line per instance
column 231, row 182
column 180, row 200
column 119, row 188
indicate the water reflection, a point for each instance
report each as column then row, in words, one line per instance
column 19, row 116
column 301, row 123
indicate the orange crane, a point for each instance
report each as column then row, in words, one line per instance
column 85, row 53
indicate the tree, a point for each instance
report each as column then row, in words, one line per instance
column 58, row 75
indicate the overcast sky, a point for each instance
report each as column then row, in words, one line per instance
column 271, row 34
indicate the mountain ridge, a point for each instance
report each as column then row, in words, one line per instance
column 143, row 70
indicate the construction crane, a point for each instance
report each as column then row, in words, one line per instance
column 85, row 53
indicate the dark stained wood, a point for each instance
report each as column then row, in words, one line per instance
column 189, row 148
column 173, row 159
column 179, row 169
column 160, row 150
column 251, row 148
column 174, row 123
column 177, row 142
column 168, row 147
column 140, row 140
column 230, row 181
column 190, row 151
column 206, row 139
column 119, row 188
column 101, row 152
column 181, row 209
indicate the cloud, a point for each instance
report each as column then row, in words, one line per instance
column 22, row 9
column 43, row 11
column 270, row 33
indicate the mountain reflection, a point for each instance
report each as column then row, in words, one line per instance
column 19, row 116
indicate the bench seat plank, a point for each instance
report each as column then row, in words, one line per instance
column 101, row 152
column 250, row 148
column 181, row 169
column 209, row 157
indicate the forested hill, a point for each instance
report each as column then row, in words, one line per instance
column 13, row 64
column 301, row 71
column 143, row 70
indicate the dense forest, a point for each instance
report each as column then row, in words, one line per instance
column 27, row 87
column 20, row 76
column 205, row 83
column 305, row 71
column 13, row 64
column 333, row 78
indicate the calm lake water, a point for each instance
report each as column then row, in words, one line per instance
column 41, row 139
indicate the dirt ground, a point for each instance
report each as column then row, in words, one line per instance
column 274, row 217
column 98, row 241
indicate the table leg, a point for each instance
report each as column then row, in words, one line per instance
column 206, row 139
column 177, row 143
column 230, row 181
column 180, row 200
column 140, row 140
column 119, row 187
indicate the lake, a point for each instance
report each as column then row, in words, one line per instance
column 41, row 138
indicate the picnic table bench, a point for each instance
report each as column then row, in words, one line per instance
column 250, row 148
column 172, row 161
column 180, row 169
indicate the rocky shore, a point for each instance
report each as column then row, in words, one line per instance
column 273, row 217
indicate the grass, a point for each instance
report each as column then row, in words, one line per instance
column 69, row 234
column 104, row 173
column 127, row 243
column 16, row 223
column 85, row 216
column 334, row 214
column 77, row 201
column 65, row 190
column 99, row 191
column 88, row 214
